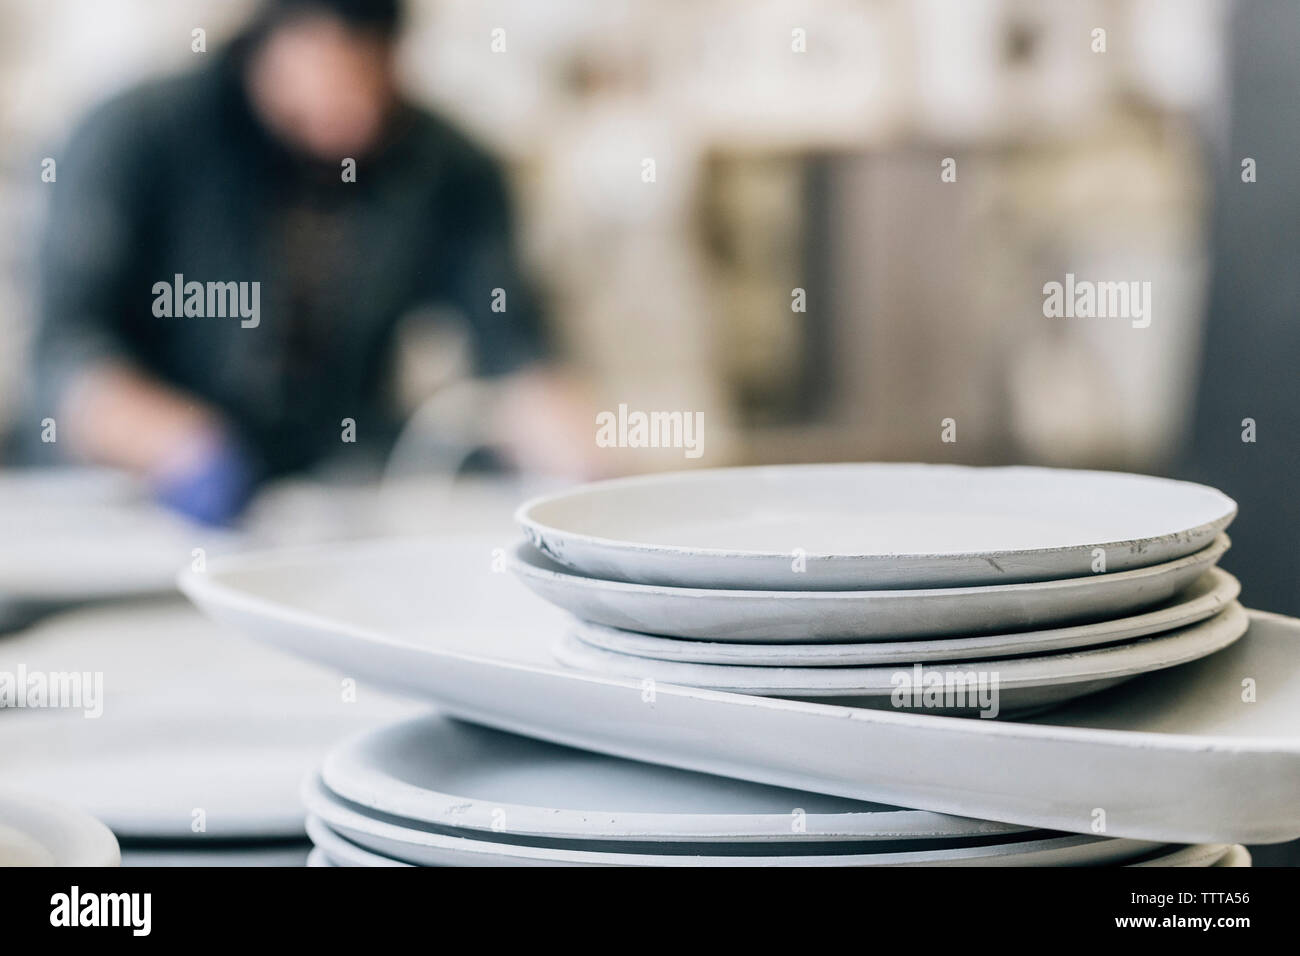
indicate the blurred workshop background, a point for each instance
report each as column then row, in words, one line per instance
column 801, row 146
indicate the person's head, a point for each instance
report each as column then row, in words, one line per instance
column 319, row 73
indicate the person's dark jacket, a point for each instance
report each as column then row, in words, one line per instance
column 178, row 177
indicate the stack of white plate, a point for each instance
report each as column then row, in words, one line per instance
column 435, row 792
column 865, row 584
column 1206, row 752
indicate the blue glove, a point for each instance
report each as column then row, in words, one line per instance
column 213, row 486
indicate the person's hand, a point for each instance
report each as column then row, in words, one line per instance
column 182, row 447
column 546, row 424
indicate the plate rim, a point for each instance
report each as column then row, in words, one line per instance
column 1213, row 551
column 317, row 799
column 323, row 839
column 1208, row 632
column 1224, row 589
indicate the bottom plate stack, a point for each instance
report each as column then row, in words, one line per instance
column 436, row 792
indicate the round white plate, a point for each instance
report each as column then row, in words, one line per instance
column 815, row 527
column 1208, row 595
column 35, row 831
column 1020, row 683
column 98, row 550
column 446, row 773
column 795, row 617
column 151, row 774
column 425, row 848
column 189, row 733
column 61, row 486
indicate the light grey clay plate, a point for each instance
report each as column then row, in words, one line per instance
column 424, row 847
column 861, row 526
column 793, row 617
column 1207, row 596
column 451, row 774
column 992, row 687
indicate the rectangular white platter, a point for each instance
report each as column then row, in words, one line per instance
column 1207, row 752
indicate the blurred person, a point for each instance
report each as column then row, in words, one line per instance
column 217, row 297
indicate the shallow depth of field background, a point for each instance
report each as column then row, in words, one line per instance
column 779, row 170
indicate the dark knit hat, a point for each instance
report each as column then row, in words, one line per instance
column 378, row 16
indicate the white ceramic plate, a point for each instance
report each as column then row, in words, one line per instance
column 1018, row 683
column 838, row 616
column 35, row 831
column 56, row 550
column 428, row 848
column 1208, row 595
column 190, row 718
column 62, row 486
column 1175, row 756
column 150, row 774
column 451, row 774
column 870, row 525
